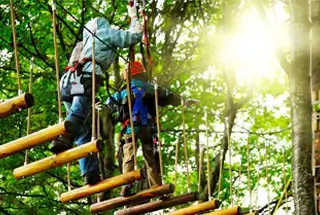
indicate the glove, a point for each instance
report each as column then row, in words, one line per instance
column 137, row 28
column 132, row 11
column 190, row 102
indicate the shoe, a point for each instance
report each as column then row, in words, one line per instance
column 92, row 178
column 126, row 190
column 61, row 144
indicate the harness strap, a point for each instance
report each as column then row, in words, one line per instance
column 77, row 65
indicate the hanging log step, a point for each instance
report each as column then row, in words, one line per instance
column 160, row 204
column 107, row 184
column 58, row 159
column 33, row 139
column 252, row 213
column 122, row 201
column 230, row 211
column 195, row 209
column 16, row 104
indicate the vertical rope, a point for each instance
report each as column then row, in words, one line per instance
column 200, row 167
column 185, row 146
column 29, row 109
column 93, row 110
column 220, row 173
column 267, row 176
column 128, row 79
column 208, row 156
column 98, row 124
column 15, row 46
column 68, row 176
column 56, row 55
column 257, row 188
column 285, row 189
column 158, row 129
column 230, row 172
column 240, row 172
column 249, row 175
column 176, row 163
column 56, row 58
column 284, row 174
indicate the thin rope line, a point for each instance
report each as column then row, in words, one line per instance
column 176, row 164
column 249, row 175
column 185, row 145
column 56, row 58
column 158, row 130
column 230, row 172
column 128, row 79
column 15, row 47
column 29, row 109
column 93, row 99
column 208, row 156
column 267, row 176
column 220, row 173
column 284, row 175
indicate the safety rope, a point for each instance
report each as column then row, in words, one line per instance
column 185, row 145
column 249, row 175
column 128, row 80
column 285, row 190
column 176, row 163
column 267, row 176
column 93, row 101
column 220, row 173
column 56, row 58
column 208, row 156
column 240, row 172
column 284, row 175
column 98, row 122
column 56, row 55
column 158, row 129
column 200, row 165
column 230, row 171
column 257, row 188
column 29, row 110
column 14, row 35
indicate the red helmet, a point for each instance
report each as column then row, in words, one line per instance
column 136, row 68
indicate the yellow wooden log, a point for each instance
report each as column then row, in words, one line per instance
column 122, row 201
column 195, row 209
column 230, row 211
column 16, row 104
column 32, row 140
column 104, row 185
column 59, row 159
column 160, row 204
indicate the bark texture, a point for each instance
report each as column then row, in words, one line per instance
column 301, row 110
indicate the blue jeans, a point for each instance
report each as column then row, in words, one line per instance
column 78, row 113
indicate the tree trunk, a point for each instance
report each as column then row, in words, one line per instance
column 301, row 108
column 315, row 46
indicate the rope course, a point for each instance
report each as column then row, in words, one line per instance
column 66, row 157
column 29, row 110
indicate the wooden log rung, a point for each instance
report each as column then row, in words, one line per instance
column 252, row 213
column 160, row 204
column 107, row 184
column 33, row 139
column 16, row 104
column 141, row 196
column 195, row 209
column 58, row 159
column 230, row 211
